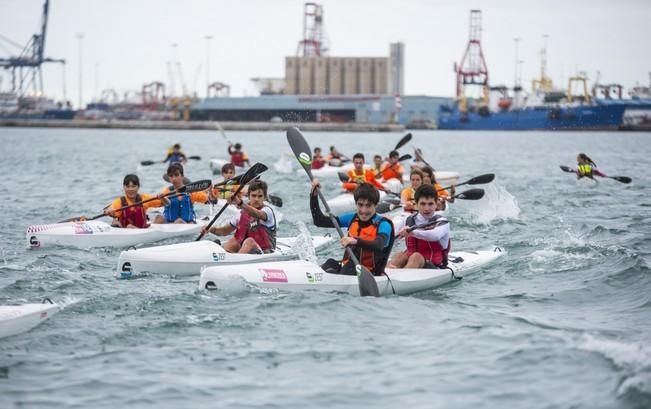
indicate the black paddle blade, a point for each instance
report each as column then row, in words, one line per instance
column 147, row 162
column 404, row 157
column 194, row 157
column 301, row 149
column 385, row 207
column 623, row 179
column 405, row 139
column 196, row 186
column 471, row 194
column 342, row 176
column 253, row 173
column 275, row 200
column 481, row 179
column 367, row 284
column 566, row 169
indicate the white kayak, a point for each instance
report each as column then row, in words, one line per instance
column 16, row 319
column 329, row 171
column 446, row 178
column 216, row 166
column 303, row 275
column 96, row 233
column 345, row 202
column 184, row 259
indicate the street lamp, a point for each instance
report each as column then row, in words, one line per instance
column 208, row 38
column 80, row 37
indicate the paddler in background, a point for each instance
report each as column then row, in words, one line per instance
column 335, row 158
column 419, row 161
column 133, row 217
column 407, row 196
column 360, row 174
column 175, row 155
column 226, row 191
column 317, row 159
column 254, row 228
column 377, row 166
column 392, row 169
column 586, row 167
column 180, row 208
column 238, row 157
column 428, row 247
column 370, row 235
column 443, row 196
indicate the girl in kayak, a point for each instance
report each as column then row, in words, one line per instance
column 238, row 157
column 254, row 228
column 443, row 195
column 427, row 247
column 586, row 167
column 407, row 194
column 370, row 235
column 359, row 174
column 133, row 217
column 180, row 208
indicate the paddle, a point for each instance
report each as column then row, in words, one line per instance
column 367, row 284
column 221, row 131
column 250, row 174
column 477, row 180
column 151, row 162
column 470, row 194
column 422, row 159
column 189, row 188
column 273, row 199
column 623, row 179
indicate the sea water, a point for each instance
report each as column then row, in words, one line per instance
column 563, row 320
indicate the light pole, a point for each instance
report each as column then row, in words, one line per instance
column 80, row 37
column 516, row 40
column 208, row 38
column 172, row 70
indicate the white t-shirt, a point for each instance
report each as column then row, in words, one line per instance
column 269, row 223
column 439, row 233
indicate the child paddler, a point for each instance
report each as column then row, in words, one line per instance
column 360, row 174
column 181, row 207
column 133, row 217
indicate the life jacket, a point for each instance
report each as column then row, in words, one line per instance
column 375, row 262
column 409, row 196
column 180, row 207
column 354, row 177
column 224, row 192
column 391, row 172
column 249, row 226
column 318, row 163
column 175, row 158
column 237, row 158
column 440, row 191
column 134, row 215
column 585, row 169
column 430, row 250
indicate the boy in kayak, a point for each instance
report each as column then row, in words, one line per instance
column 370, row 235
column 359, row 174
column 180, row 208
column 238, row 157
column 335, row 158
column 254, row 227
column 175, row 155
column 407, row 195
column 377, row 166
column 427, row 247
column 586, row 167
column 317, row 159
column 226, row 191
column 133, row 217
column 392, row 169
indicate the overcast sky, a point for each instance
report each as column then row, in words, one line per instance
column 128, row 42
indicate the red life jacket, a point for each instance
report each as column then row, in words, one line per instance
column 375, row 262
column 237, row 158
column 134, row 215
column 430, row 250
column 249, row 226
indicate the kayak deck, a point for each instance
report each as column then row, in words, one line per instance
column 17, row 319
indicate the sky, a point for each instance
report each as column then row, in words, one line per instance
column 127, row 43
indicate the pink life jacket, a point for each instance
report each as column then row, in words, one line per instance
column 249, row 226
column 133, row 215
column 237, row 158
column 430, row 250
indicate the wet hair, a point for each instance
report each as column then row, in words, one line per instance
column 394, row 154
column 317, row 149
column 238, row 146
column 228, row 166
column 586, row 158
column 377, row 157
column 416, row 171
column 426, row 191
column 174, row 168
column 332, row 148
column 131, row 178
column 176, row 146
column 257, row 185
column 367, row 191
column 358, row 155
column 429, row 172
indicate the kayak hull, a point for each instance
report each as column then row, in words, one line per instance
column 186, row 259
column 345, row 202
column 96, row 233
column 17, row 319
column 303, row 275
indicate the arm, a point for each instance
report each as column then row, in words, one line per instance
column 436, row 234
column 319, row 219
column 222, row 230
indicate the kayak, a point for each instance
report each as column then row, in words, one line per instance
column 96, row 233
column 329, row 171
column 184, row 259
column 216, row 166
column 16, row 319
column 446, row 178
column 345, row 202
column 301, row 275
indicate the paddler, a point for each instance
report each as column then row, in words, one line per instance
column 180, row 208
column 377, row 166
column 392, row 169
column 370, row 235
column 238, row 157
column 407, row 195
column 428, row 247
column 133, row 217
column 226, row 191
column 430, row 179
column 586, row 167
column 336, row 158
column 360, row 174
column 317, row 159
column 175, row 155
column 254, row 228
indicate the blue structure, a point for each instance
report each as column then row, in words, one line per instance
column 406, row 110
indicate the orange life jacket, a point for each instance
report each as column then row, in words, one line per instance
column 375, row 262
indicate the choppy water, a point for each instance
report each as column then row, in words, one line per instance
column 562, row 321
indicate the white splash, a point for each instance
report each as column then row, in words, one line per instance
column 303, row 245
column 284, row 164
column 497, row 204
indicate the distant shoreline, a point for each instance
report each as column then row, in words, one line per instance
column 201, row 125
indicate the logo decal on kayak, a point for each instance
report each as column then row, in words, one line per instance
column 83, row 228
column 218, row 256
column 313, row 278
column 304, row 158
column 272, row 275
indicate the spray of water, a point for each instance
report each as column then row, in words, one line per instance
column 303, row 244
